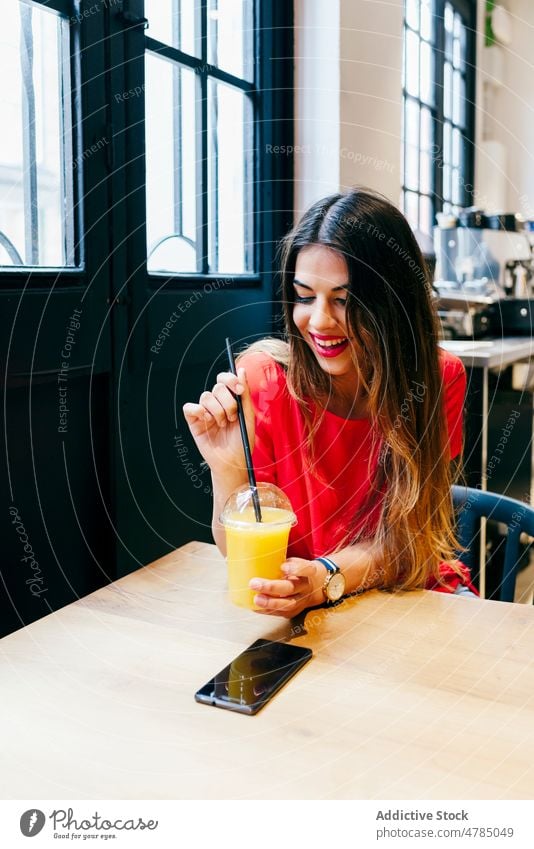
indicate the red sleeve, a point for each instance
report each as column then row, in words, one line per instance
column 454, row 384
column 451, row 580
column 265, row 379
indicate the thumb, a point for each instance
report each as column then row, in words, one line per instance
column 248, row 407
column 245, row 396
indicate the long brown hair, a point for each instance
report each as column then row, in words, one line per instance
column 392, row 321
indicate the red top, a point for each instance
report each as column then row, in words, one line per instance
column 344, row 457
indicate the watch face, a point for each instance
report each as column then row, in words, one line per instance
column 336, row 587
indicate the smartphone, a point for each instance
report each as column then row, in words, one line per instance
column 252, row 679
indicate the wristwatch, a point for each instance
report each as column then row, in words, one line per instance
column 334, row 585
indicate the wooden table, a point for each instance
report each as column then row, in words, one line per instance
column 420, row 695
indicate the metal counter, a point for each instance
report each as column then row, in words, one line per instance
column 480, row 357
column 491, row 353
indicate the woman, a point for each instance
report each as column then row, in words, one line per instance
column 356, row 416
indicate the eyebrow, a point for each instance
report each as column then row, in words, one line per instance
column 303, row 285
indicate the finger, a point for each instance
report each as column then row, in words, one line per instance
column 303, row 589
column 232, row 381
column 243, row 382
column 301, row 585
column 246, row 397
column 192, row 411
column 226, row 400
column 278, row 605
column 212, row 405
column 277, row 589
column 296, row 567
column 285, row 614
column 242, row 375
column 195, row 414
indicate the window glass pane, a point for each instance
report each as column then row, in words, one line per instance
column 427, row 136
column 449, row 18
column 175, row 22
column 447, row 142
column 230, row 179
column 170, row 166
column 412, row 13
column 427, row 76
column 449, row 27
column 426, row 214
column 457, row 98
column 425, row 180
column 412, row 63
column 411, row 129
column 456, row 53
column 411, row 209
column 230, row 36
column 411, row 167
column 427, row 29
column 446, row 182
column 462, row 103
column 447, row 90
column 36, row 157
column 463, row 48
column 456, row 148
column 457, row 191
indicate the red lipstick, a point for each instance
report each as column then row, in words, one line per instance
column 329, row 346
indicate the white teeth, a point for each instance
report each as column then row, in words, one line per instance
column 324, row 344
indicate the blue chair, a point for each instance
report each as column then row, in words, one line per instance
column 474, row 504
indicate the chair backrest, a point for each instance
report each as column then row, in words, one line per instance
column 473, row 504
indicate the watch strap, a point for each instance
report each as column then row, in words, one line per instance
column 331, row 567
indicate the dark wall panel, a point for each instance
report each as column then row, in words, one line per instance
column 53, row 505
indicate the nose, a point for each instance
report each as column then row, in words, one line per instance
column 322, row 317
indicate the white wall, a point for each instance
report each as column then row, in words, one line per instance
column 517, row 104
column 371, row 95
column 317, row 117
column 348, row 63
column 505, row 125
column 348, row 69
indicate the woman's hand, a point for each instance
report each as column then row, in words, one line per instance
column 300, row 589
column 214, row 424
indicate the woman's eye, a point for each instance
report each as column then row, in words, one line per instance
column 308, row 299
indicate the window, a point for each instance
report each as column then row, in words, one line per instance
column 107, row 123
column 37, row 166
column 199, row 95
column 438, row 108
column 111, row 127
column 456, row 139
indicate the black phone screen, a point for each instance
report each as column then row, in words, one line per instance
column 249, row 681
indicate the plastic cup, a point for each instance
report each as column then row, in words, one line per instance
column 255, row 549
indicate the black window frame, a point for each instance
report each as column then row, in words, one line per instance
column 110, row 67
column 272, row 213
column 48, row 277
column 468, row 11
column 121, row 306
column 205, row 72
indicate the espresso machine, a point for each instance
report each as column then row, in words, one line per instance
column 484, row 274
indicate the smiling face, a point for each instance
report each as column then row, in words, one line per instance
column 321, row 284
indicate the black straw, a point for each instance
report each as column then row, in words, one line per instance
column 244, row 437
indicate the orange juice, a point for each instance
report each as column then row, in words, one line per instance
column 255, row 549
